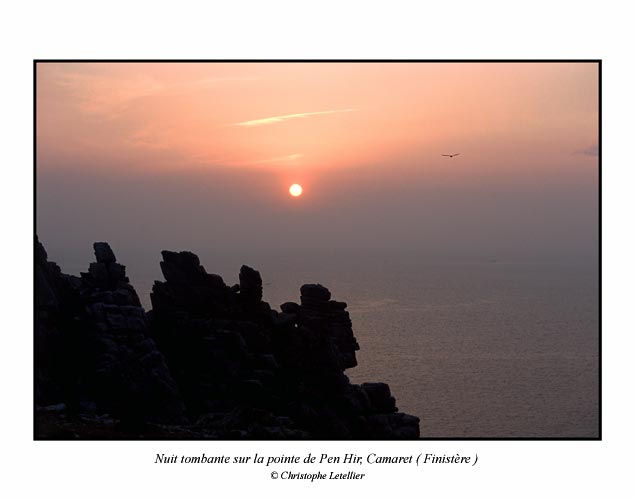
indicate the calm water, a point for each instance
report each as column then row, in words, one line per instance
column 475, row 349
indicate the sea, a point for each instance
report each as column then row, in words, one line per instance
column 475, row 347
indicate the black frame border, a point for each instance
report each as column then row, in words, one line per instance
column 359, row 61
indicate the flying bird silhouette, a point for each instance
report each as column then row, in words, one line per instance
column 452, row 155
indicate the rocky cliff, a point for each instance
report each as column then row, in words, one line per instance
column 209, row 361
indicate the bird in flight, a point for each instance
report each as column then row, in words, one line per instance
column 452, row 155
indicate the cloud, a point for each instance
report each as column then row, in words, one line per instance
column 111, row 94
column 279, row 159
column 102, row 94
column 277, row 119
column 590, row 151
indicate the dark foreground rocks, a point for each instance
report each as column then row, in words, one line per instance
column 209, row 361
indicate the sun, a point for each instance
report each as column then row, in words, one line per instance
column 295, row 190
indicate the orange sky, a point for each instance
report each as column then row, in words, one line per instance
column 300, row 119
column 200, row 156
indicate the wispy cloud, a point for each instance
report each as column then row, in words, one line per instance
column 590, row 151
column 227, row 161
column 279, row 159
column 112, row 94
column 277, row 119
column 105, row 95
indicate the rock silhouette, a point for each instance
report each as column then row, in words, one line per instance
column 209, row 361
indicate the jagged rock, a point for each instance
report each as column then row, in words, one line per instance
column 119, row 364
column 317, row 292
column 379, row 396
column 103, row 253
column 57, row 349
column 250, row 285
column 99, row 273
column 284, row 319
column 182, row 268
column 60, row 407
column 314, row 297
column 217, row 356
column 338, row 306
column 290, row 308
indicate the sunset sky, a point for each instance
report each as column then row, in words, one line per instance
column 171, row 153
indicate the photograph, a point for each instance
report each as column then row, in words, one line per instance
column 324, row 249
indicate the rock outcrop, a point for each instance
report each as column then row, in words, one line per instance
column 97, row 332
column 208, row 361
